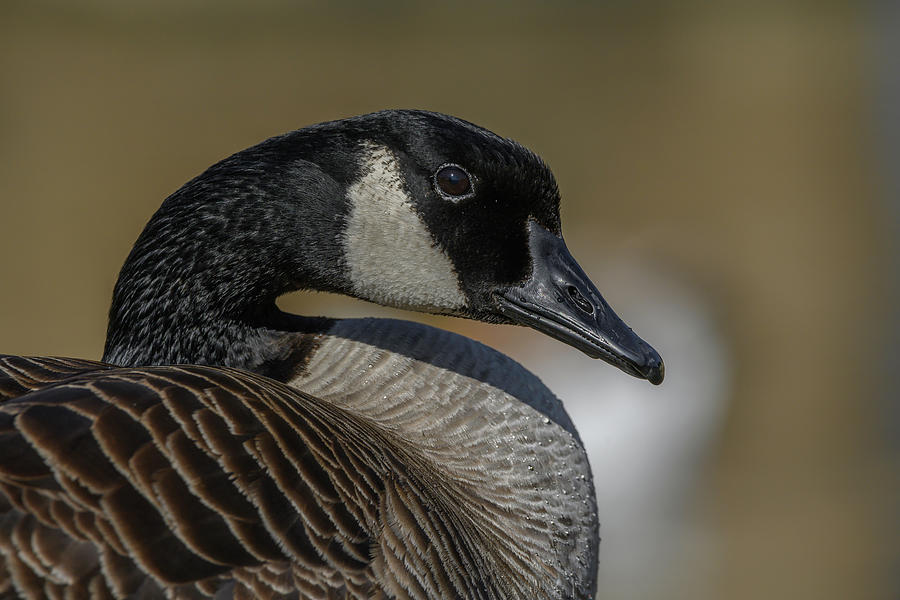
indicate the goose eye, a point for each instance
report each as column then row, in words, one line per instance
column 453, row 181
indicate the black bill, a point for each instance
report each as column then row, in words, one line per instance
column 560, row 300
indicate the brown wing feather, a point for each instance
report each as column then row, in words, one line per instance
column 22, row 374
column 196, row 480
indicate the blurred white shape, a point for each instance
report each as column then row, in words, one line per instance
column 648, row 445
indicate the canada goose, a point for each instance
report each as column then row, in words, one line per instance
column 313, row 457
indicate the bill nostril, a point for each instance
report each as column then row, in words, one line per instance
column 579, row 300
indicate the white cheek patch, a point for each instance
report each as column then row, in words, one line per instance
column 392, row 257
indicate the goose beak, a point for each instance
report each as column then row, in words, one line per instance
column 561, row 301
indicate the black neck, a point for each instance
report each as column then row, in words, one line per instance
column 201, row 281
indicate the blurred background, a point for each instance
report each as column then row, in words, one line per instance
column 729, row 177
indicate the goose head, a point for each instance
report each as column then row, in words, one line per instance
column 410, row 209
column 447, row 217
